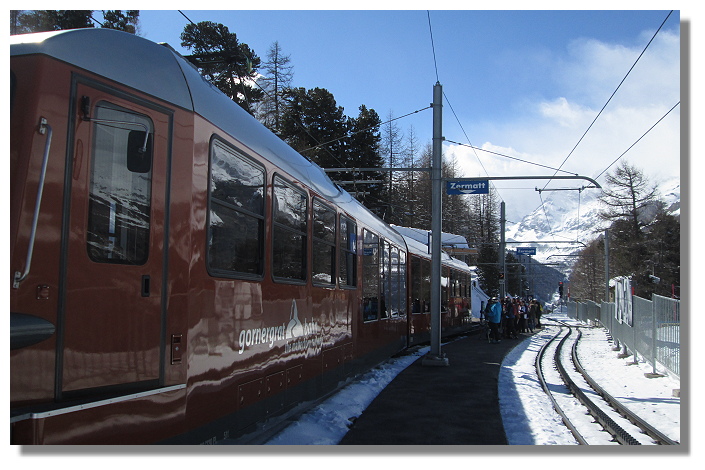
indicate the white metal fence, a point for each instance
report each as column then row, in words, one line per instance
column 654, row 332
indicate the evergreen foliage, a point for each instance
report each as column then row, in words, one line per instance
column 224, row 61
column 35, row 21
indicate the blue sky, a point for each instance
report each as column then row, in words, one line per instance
column 521, row 83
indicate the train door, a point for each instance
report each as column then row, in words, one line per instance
column 114, row 245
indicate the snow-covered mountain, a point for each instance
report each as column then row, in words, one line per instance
column 568, row 219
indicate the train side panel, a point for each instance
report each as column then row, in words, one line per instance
column 100, row 260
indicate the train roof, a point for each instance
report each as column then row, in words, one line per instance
column 161, row 72
column 418, row 248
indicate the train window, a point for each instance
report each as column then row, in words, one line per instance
column 347, row 272
column 425, row 286
column 394, row 294
column 236, row 217
column 119, row 199
column 416, row 306
column 445, row 277
column 289, row 231
column 370, row 272
column 385, row 277
column 323, row 244
column 402, row 281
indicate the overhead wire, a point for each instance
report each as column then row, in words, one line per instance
column 612, row 95
column 637, row 140
column 433, row 47
column 366, row 129
column 601, row 110
column 513, row 158
column 470, row 143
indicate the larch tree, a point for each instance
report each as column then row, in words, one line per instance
column 278, row 74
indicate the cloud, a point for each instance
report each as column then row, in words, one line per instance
column 563, row 113
column 551, row 126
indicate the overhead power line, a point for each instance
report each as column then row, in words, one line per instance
column 513, row 158
column 613, row 93
column 184, row 15
column 433, row 47
column 469, row 144
column 366, row 129
column 637, row 140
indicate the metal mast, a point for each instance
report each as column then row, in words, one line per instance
column 435, row 356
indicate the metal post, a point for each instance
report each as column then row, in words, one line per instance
column 654, row 339
column 607, row 265
column 435, row 356
column 502, row 250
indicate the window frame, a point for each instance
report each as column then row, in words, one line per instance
column 305, row 269
column 316, row 241
column 261, row 218
column 366, row 279
column 91, row 223
column 349, row 251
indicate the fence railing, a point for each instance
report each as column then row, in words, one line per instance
column 654, row 332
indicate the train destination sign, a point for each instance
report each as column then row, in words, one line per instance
column 468, row 187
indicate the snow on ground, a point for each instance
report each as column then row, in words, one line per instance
column 527, row 413
column 328, row 422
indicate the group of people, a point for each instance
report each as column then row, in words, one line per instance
column 512, row 316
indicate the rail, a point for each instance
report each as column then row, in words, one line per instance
column 544, row 384
column 598, row 411
column 617, row 405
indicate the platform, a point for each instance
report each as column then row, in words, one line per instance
column 453, row 405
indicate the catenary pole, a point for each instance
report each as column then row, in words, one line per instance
column 435, row 356
column 502, row 248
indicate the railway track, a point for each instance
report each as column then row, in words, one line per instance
column 593, row 416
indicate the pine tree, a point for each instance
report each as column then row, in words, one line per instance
column 123, row 21
column 34, row 21
column 224, row 61
column 663, row 262
column 363, row 151
column 316, row 126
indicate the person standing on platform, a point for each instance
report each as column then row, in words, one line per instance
column 494, row 316
column 532, row 314
column 509, row 320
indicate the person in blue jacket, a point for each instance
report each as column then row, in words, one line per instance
column 495, row 317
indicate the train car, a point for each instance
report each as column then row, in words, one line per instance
column 456, row 293
column 178, row 273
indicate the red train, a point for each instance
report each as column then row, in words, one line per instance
column 178, row 273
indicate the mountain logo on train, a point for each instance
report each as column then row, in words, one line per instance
column 297, row 336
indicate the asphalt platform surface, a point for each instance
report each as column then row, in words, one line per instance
column 456, row 404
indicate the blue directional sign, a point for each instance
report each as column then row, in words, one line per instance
column 468, row 187
column 526, row 250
